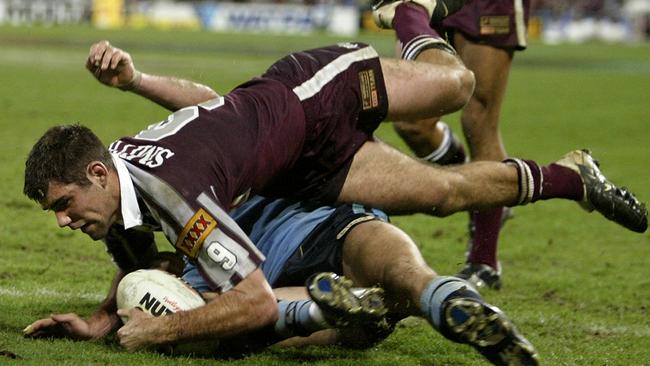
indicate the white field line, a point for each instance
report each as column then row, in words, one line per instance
column 637, row 330
column 41, row 57
column 49, row 293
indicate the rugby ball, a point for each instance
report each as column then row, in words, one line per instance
column 156, row 293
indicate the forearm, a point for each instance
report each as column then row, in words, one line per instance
column 170, row 92
column 235, row 312
column 114, row 67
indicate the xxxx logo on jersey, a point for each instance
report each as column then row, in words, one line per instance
column 194, row 233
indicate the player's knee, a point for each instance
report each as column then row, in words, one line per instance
column 464, row 81
column 443, row 199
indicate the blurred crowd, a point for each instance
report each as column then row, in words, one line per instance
column 552, row 21
column 586, row 20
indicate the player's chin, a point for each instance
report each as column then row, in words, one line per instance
column 95, row 231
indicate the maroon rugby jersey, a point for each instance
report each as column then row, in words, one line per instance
column 225, row 146
column 189, row 168
column 292, row 132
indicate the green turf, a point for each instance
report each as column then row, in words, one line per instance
column 577, row 285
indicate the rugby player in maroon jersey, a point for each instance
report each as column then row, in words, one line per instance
column 301, row 130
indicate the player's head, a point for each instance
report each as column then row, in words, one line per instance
column 69, row 172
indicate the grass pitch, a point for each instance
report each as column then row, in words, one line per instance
column 577, row 285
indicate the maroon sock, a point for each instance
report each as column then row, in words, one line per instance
column 485, row 235
column 561, row 182
column 550, row 181
column 411, row 21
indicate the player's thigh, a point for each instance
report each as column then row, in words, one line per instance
column 418, row 90
column 383, row 177
column 374, row 250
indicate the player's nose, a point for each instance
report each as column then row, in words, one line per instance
column 62, row 219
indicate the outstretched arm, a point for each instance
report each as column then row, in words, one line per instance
column 101, row 323
column 248, row 306
column 114, row 67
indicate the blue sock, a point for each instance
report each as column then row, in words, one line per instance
column 439, row 290
column 299, row 318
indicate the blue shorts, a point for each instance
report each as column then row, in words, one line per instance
column 297, row 238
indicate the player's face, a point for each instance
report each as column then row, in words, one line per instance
column 90, row 208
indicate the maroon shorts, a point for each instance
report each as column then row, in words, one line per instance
column 498, row 23
column 342, row 92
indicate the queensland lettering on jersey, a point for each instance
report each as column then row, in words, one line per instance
column 151, row 156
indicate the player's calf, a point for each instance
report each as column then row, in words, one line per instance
column 456, row 309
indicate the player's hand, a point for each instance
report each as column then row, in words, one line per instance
column 111, row 66
column 139, row 331
column 60, row 326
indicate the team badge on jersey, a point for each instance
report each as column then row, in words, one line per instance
column 194, row 233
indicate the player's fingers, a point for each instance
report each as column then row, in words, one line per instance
column 37, row 327
column 97, row 52
column 90, row 66
column 29, row 330
column 136, row 312
column 124, row 332
column 98, row 45
column 37, row 334
column 92, row 54
column 132, row 313
column 106, row 58
column 124, row 313
column 126, row 340
column 119, row 56
column 67, row 318
column 93, row 50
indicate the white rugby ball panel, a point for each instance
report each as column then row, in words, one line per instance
column 156, row 293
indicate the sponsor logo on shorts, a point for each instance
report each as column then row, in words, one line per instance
column 154, row 306
column 494, row 25
column 369, row 98
column 194, row 233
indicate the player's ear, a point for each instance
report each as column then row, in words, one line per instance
column 97, row 172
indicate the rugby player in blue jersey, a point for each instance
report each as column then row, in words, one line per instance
column 302, row 130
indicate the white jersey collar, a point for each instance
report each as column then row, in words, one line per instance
column 131, row 214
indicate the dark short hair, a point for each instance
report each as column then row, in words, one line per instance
column 61, row 155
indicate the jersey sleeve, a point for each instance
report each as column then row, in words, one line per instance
column 222, row 251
